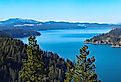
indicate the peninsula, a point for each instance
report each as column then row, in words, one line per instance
column 112, row 38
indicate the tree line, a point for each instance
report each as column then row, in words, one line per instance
column 20, row 62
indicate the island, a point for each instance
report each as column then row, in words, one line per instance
column 112, row 38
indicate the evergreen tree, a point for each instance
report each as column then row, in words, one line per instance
column 33, row 67
column 83, row 70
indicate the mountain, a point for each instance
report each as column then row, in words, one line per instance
column 10, row 28
column 15, row 21
column 112, row 38
column 36, row 25
column 17, row 27
column 30, row 24
column 19, row 23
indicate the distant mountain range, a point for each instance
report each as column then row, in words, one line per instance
column 37, row 25
column 17, row 27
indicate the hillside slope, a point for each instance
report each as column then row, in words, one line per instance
column 12, row 54
column 18, row 33
column 112, row 38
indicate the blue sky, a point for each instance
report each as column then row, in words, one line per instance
column 102, row 11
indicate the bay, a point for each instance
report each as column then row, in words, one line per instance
column 66, row 43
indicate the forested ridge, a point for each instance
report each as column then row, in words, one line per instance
column 18, row 33
column 13, row 53
column 20, row 62
column 112, row 38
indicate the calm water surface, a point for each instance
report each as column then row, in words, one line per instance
column 68, row 42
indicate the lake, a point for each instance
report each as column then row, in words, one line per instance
column 66, row 43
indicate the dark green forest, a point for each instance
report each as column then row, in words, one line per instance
column 18, row 33
column 20, row 62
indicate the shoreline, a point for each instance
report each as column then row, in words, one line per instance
column 97, row 43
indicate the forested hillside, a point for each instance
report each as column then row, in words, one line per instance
column 18, row 33
column 12, row 54
column 112, row 38
column 28, row 63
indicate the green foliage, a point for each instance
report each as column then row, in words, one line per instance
column 33, row 67
column 83, row 70
column 18, row 33
column 112, row 37
column 14, row 55
column 12, row 51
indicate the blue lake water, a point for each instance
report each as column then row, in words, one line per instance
column 66, row 43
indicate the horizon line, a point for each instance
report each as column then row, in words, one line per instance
column 59, row 20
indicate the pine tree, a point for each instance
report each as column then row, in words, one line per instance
column 83, row 70
column 33, row 67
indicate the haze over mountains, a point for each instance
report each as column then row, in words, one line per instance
column 18, row 22
column 17, row 27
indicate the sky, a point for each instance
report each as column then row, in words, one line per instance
column 100, row 11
